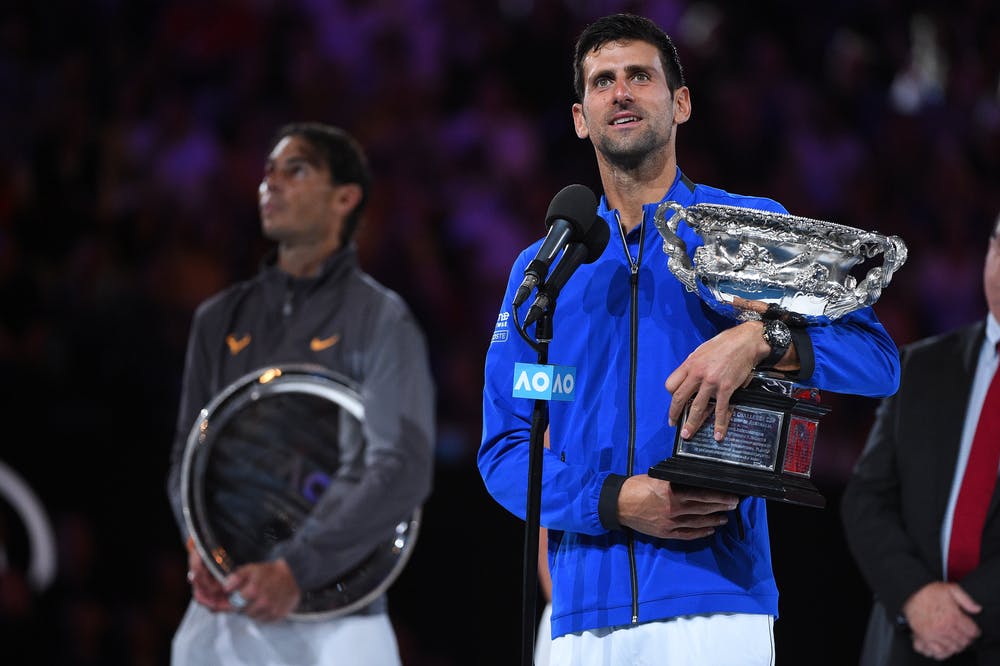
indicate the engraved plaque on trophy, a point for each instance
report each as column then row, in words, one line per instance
column 757, row 265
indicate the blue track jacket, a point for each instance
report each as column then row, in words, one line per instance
column 625, row 333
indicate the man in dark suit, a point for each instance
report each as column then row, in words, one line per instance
column 935, row 599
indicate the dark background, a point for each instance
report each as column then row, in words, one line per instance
column 135, row 134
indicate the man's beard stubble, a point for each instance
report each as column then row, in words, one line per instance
column 632, row 155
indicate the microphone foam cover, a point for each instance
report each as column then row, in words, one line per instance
column 576, row 204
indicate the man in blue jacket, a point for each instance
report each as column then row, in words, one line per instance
column 640, row 568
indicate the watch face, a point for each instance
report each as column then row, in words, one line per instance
column 777, row 334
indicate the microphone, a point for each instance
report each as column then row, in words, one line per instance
column 584, row 252
column 570, row 215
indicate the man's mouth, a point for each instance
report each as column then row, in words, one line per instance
column 624, row 120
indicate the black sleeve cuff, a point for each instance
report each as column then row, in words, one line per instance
column 607, row 504
column 804, row 349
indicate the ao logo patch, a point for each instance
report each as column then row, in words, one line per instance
column 544, row 382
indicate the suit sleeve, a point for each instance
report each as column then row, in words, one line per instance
column 872, row 514
column 983, row 585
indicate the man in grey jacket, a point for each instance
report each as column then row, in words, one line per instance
column 310, row 304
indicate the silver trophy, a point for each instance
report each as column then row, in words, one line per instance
column 762, row 265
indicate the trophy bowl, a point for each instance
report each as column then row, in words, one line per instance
column 758, row 264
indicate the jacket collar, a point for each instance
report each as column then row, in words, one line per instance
column 681, row 191
column 338, row 263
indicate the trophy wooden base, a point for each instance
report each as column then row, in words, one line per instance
column 767, row 451
column 724, row 478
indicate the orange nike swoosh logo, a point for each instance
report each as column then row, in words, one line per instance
column 236, row 345
column 319, row 344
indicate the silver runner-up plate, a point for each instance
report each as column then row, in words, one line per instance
column 261, row 456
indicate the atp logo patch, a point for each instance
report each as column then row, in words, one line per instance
column 544, row 382
column 501, row 332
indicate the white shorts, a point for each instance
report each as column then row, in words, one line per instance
column 205, row 638
column 719, row 639
column 543, row 636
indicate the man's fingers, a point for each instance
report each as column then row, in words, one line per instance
column 690, row 534
column 964, row 601
column 704, row 501
column 681, row 397
column 931, row 649
column 723, row 412
column 703, row 521
column 675, row 380
column 696, row 415
column 685, row 389
column 209, row 593
column 921, row 647
column 696, row 526
column 240, row 577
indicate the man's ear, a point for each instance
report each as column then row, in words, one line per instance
column 682, row 105
column 580, row 122
column 346, row 198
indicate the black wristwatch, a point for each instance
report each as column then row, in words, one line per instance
column 777, row 335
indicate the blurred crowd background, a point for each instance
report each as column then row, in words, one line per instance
column 134, row 140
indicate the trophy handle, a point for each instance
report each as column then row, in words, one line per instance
column 894, row 255
column 678, row 261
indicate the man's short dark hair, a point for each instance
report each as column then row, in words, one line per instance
column 626, row 28
column 342, row 155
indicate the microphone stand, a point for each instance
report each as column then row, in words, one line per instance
column 539, row 423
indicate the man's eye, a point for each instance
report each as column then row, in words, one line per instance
column 641, row 76
column 602, row 82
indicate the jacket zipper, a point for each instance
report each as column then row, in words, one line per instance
column 633, row 354
column 286, row 306
column 633, row 342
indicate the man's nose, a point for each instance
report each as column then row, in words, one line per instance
column 623, row 92
column 268, row 183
